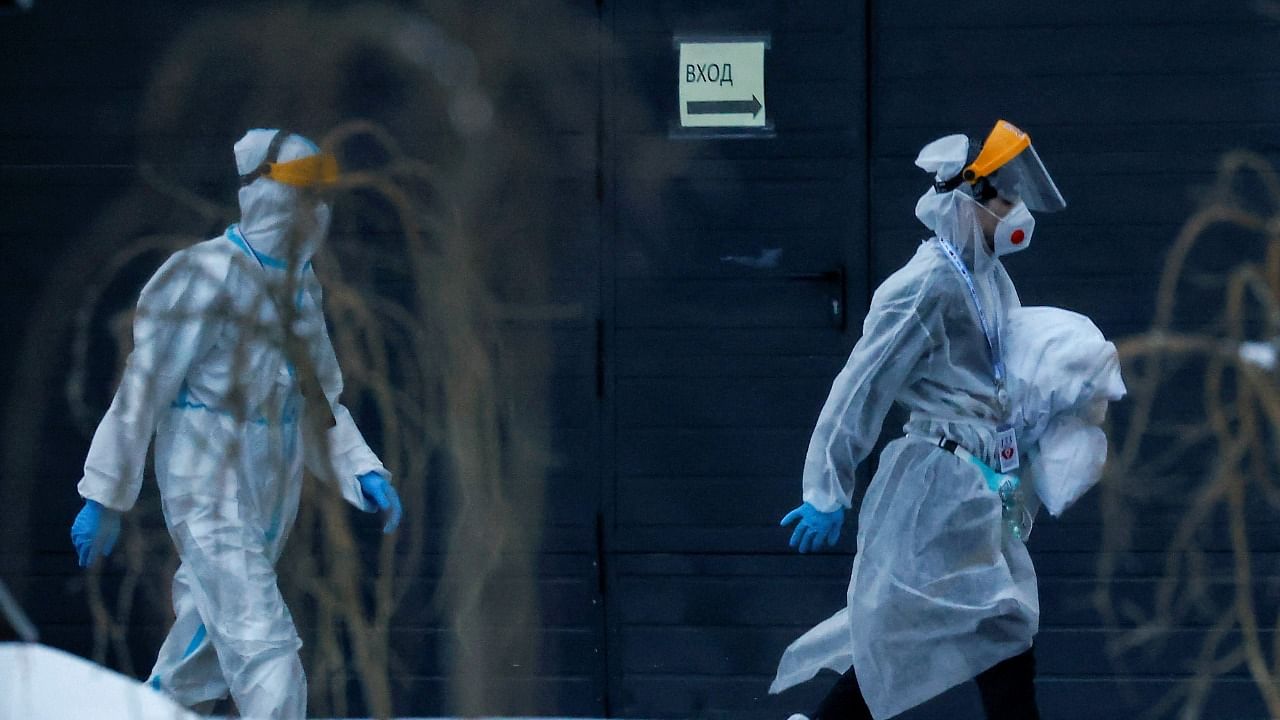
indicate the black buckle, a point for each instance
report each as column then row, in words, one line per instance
column 943, row 186
column 273, row 153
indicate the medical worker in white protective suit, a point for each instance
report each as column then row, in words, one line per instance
column 942, row 588
column 236, row 416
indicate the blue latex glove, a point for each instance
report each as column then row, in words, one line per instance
column 380, row 493
column 95, row 532
column 816, row 529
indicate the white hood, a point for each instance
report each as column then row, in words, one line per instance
column 269, row 210
column 952, row 215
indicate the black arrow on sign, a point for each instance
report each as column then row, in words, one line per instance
column 725, row 107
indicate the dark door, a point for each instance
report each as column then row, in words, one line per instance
column 734, row 284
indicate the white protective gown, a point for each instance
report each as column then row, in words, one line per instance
column 208, row 376
column 939, row 590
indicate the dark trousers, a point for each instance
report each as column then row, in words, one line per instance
column 1008, row 693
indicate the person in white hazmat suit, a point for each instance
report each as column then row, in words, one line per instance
column 236, row 417
column 942, row 587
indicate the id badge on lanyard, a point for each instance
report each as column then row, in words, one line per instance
column 1007, row 442
column 1006, row 438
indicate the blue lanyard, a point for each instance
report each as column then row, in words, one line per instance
column 993, row 343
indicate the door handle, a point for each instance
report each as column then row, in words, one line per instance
column 838, row 299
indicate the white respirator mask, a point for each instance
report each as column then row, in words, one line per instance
column 1013, row 232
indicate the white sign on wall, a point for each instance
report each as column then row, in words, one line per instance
column 722, row 83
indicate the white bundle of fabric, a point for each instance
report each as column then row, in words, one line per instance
column 42, row 683
column 1062, row 374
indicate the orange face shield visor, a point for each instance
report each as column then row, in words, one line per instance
column 1004, row 143
column 311, row 171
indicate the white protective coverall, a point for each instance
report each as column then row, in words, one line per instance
column 209, row 377
column 939, row 591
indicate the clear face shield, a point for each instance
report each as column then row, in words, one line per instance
column 1011, row 165
column 1025, row 178
column 969, row 175
column 1007, row 166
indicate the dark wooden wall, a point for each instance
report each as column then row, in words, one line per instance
column 686, row 392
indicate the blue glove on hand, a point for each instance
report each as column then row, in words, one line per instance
column 379, row 492
column 95, row 532
column 815, row 529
